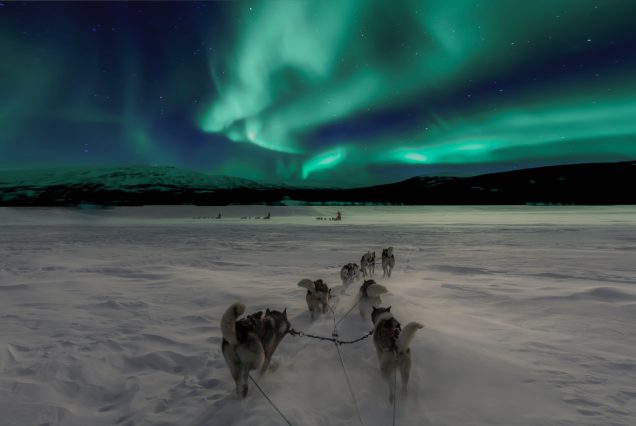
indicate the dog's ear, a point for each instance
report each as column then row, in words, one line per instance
column 374, row 308
column 285, row 312
column 267, row 312
column 388, row 309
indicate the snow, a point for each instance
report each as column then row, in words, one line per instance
column 112, row 316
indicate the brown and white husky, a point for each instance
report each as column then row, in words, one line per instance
column 392, row 346
column 249, row 343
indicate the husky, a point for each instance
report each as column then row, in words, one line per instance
column 367, row 264
column 392, row 346
column 388, row 262
column 318, row 295
column 369, row 295
column 349, row 272
column 249, row 343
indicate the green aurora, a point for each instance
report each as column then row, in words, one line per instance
column 299, row 66
column 338, row 92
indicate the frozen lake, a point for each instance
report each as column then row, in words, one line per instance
column 112, row 316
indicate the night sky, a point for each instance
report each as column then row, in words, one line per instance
column 338, row 92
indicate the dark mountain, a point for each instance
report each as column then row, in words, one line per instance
column 594, row 183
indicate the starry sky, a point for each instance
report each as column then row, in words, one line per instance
column 344, row 92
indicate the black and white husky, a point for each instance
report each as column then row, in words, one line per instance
column 349, row 272
column 249, row 343
column 367, row 264
column 318, row 295
column 392, row 346
column 388, row 262
column 369, row 295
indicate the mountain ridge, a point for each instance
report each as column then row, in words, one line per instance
column 587, row 183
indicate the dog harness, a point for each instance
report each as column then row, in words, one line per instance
column 255, row 323
column 321, row 286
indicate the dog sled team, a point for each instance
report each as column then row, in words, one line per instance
column 337, row 217
column 249, row 342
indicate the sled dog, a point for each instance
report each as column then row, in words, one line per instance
column 388, row 261
column 249, row 343
column 369, row 295
column 367, row 264
column 318, row 295
column 392, row 346
column 349, row 272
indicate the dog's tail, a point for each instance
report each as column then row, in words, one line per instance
column 407, row 335
column 306, row 283
column 228, row 322
column 374, row 290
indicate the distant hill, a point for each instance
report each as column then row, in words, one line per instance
column 113, row 186
column 593, row 183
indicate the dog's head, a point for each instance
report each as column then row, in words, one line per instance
column 351, row 268
column 280, row 320
column 384, row 318
column 375, row 314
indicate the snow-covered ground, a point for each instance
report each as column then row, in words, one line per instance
column 112, row 316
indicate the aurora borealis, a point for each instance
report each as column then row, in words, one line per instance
column 347, row 92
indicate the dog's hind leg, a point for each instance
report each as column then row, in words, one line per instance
column 241, row 387
column 405, row 371
column 265, row 365
column 236, row 375
column 387, row 367
column 233, row 363
column 363, row 305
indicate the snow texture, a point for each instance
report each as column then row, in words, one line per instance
column 111, row 317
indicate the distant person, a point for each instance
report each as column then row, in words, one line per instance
column 219, row 216
column 269, row 215
column 338, row 216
